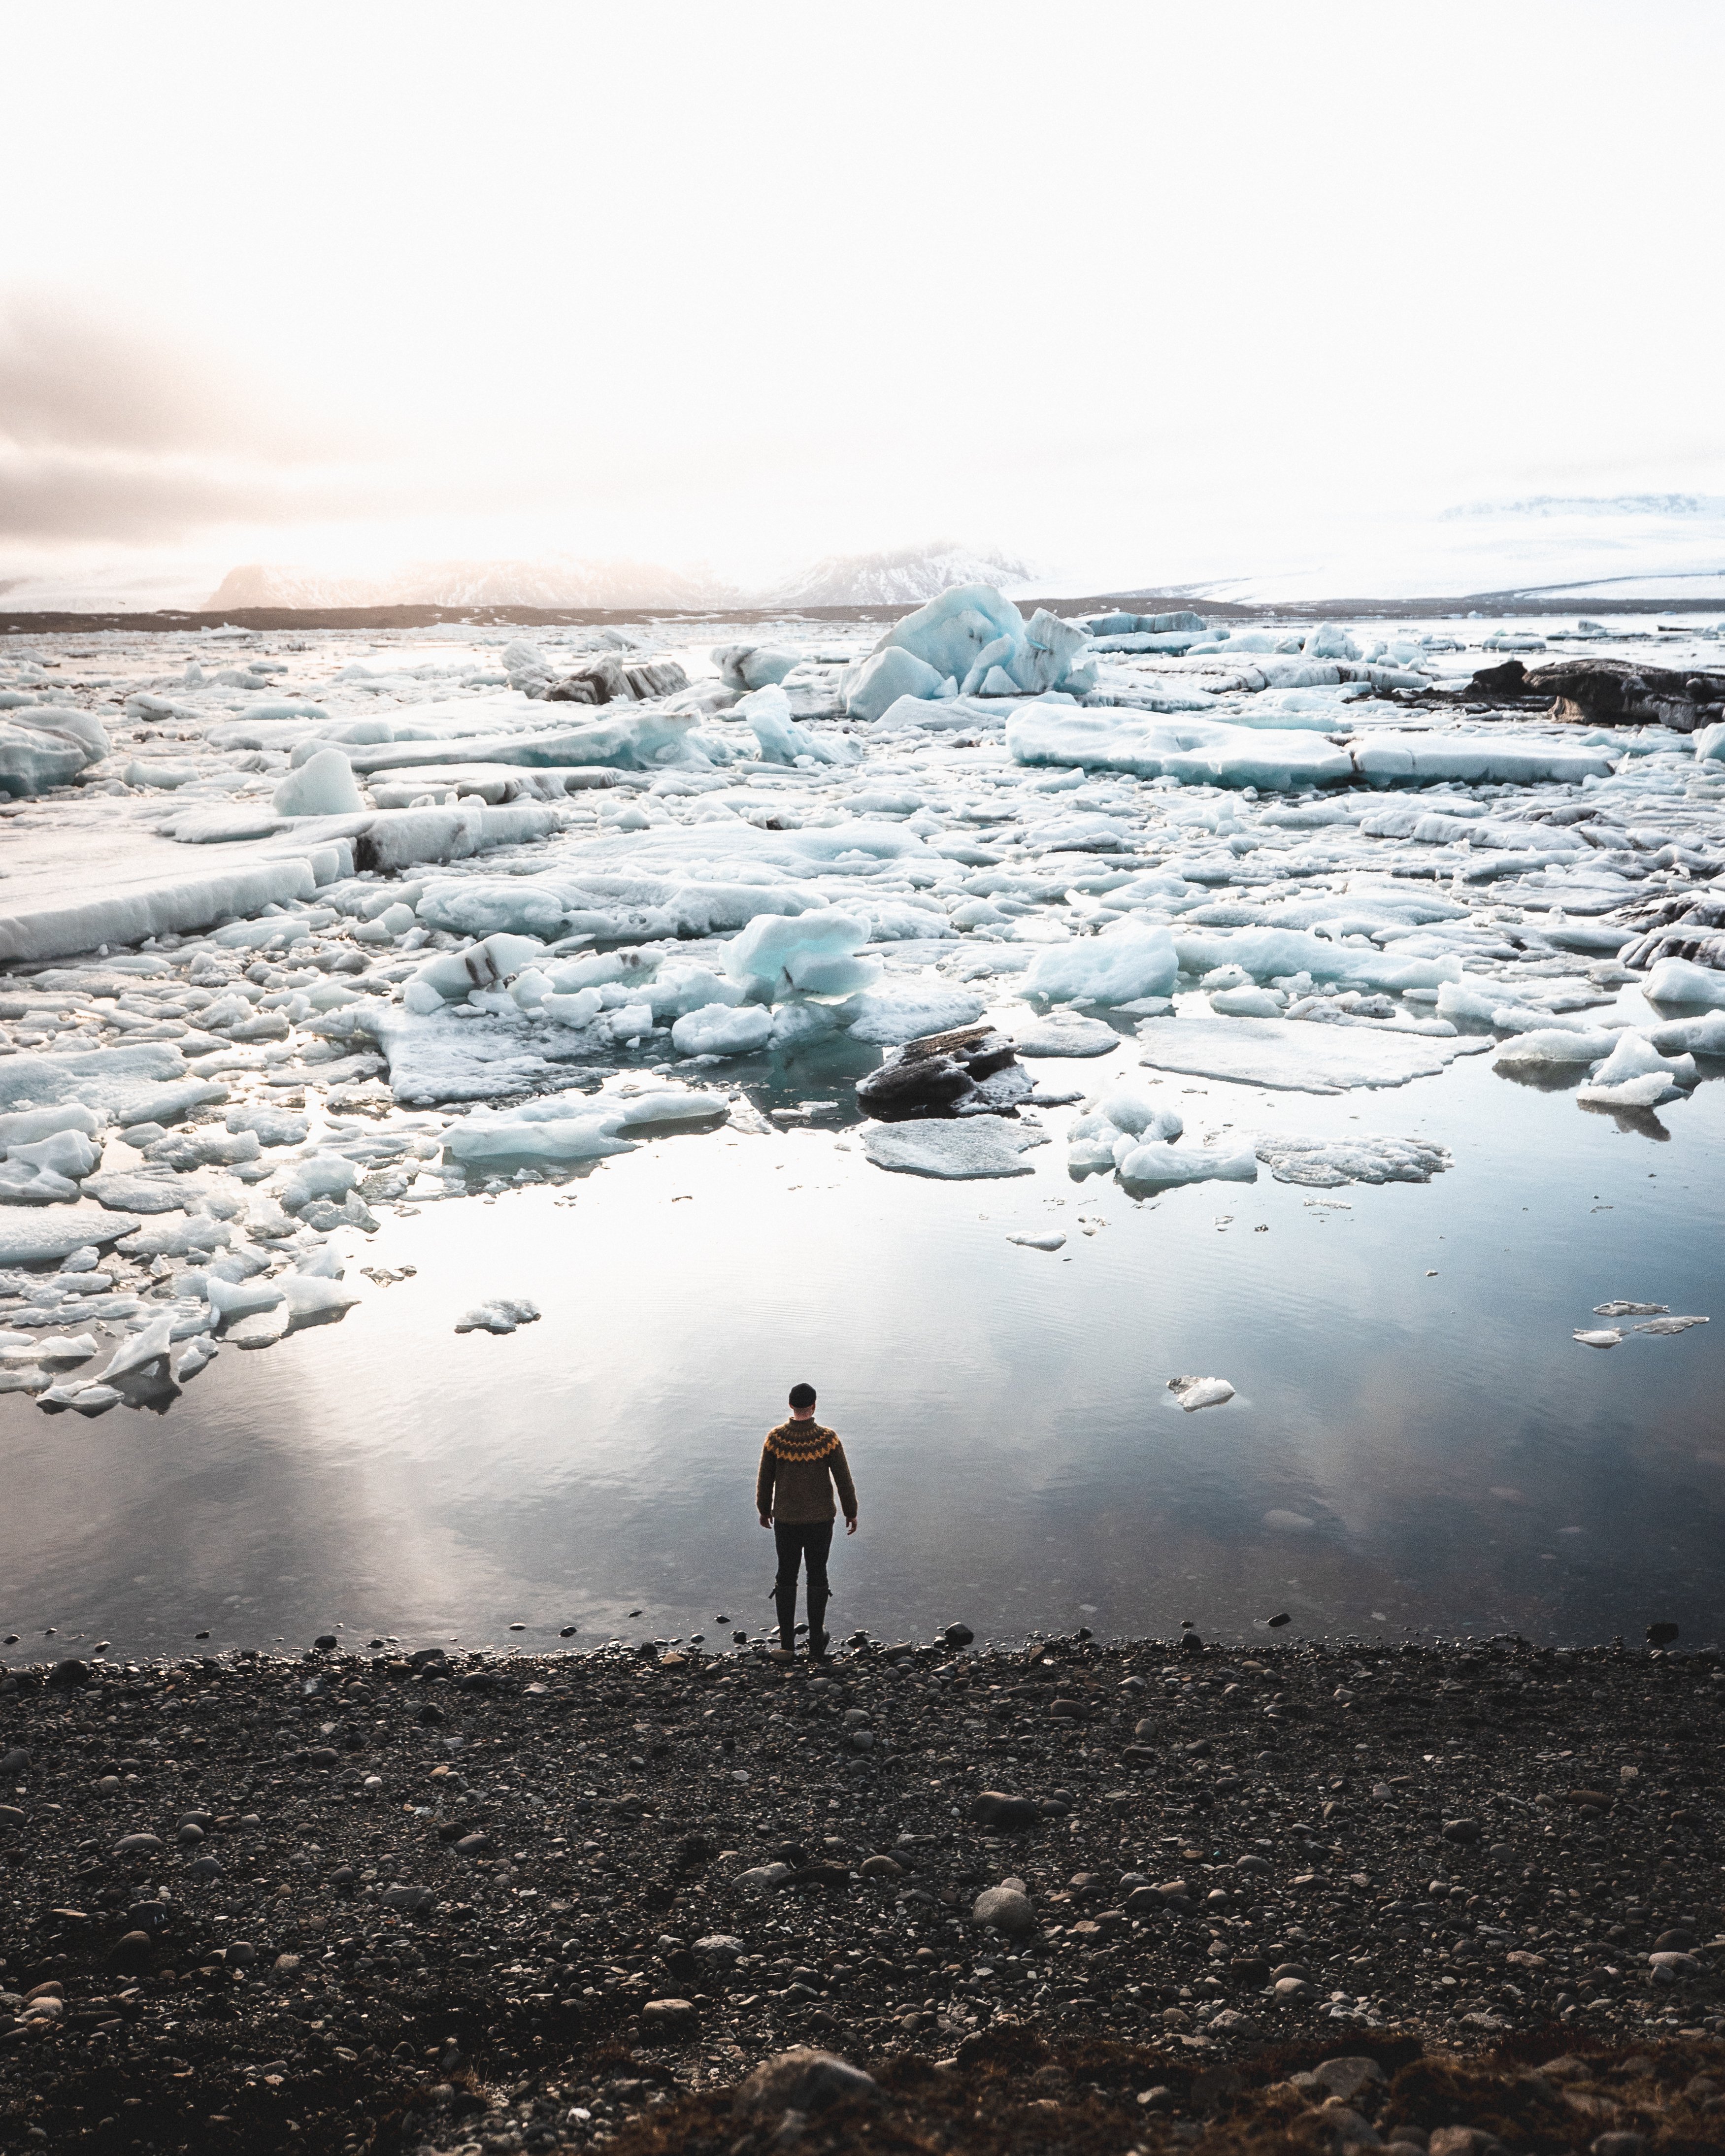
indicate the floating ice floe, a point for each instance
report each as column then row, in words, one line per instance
column 1198, row 751
column 1293, row 1055
column 502, row 1314
column 1156, row 1167
column 1195, row 1393
column 973, row 1146
column 1039, row 1242
column 1679, row 981
column 1127, row 961
column 1634, row 1075
column 1326, row 1164
column 1064, row 1034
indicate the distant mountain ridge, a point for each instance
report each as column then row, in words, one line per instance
column 903, row 576
column 555, row 581
column 1597, row 504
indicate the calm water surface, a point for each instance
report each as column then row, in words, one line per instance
column 1417, row 1444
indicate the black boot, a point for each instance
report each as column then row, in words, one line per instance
column 818, row 1628
column 786, row 1598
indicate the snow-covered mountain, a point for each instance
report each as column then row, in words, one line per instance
column 556, row 581
column 1586, row 548
column 904, row 575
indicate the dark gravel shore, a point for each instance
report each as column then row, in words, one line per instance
column 362, row 1900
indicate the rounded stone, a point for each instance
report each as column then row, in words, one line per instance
column 804, row 2079
column 1006, row 1908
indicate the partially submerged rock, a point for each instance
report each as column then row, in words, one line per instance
column 1619, row 692
column 968, row 1070
column 611, row 681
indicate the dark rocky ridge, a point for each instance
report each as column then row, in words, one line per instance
column 413, row 1902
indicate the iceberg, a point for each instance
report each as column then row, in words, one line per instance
column 510, row 1141
column 1556, row 1044
column 1635, row 1060
column 776, row 957
column 98, row 1079
column 1196, row 751
column 872, row 687
column 1156, row 1166
column 47, row 745
column 1270, row 953
column 752, row 665
column 1477, row 760
column 780, row 739
column 453, row 975
column 1672, row 981
column 1063, row 1032
column 971, row 640
column 722, row 1029
column 323, row 785
column 899, row 1010
column 1324, row 1163
column 1128, row 960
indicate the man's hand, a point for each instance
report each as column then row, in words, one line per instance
column 850, row 1525
column 766, row 1519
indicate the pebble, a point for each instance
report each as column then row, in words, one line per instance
column 1007, row 1908
column 608, row 1809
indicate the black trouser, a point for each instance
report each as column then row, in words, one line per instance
column 805, row 1542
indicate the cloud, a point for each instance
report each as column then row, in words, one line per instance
column 71, row 379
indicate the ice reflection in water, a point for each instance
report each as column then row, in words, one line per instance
column 1407, row 1383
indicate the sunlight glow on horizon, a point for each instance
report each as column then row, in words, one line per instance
column 1160, row 296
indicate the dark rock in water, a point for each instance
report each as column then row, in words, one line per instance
column 971, row 1069
column 68, row 1674
column 1509, row 679
column 1277, row 1622
column 958, row 1635
column 1660, row 1635
column 928, row 1085
column 1617, row 692
column 326, row 1642
column 804, row 2079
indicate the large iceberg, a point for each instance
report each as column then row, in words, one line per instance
column 972, row 640
column 44, row 744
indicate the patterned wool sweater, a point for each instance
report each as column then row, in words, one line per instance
column 800, row 1463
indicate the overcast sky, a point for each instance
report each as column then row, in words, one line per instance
column 1139, row 290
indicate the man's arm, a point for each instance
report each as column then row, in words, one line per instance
column 763, row 1486
column 846, row 1488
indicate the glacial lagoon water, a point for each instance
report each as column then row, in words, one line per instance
column 1417, row 1443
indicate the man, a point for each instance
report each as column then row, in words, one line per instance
column 801, row 1465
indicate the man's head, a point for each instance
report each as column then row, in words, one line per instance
column 802, row 1399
